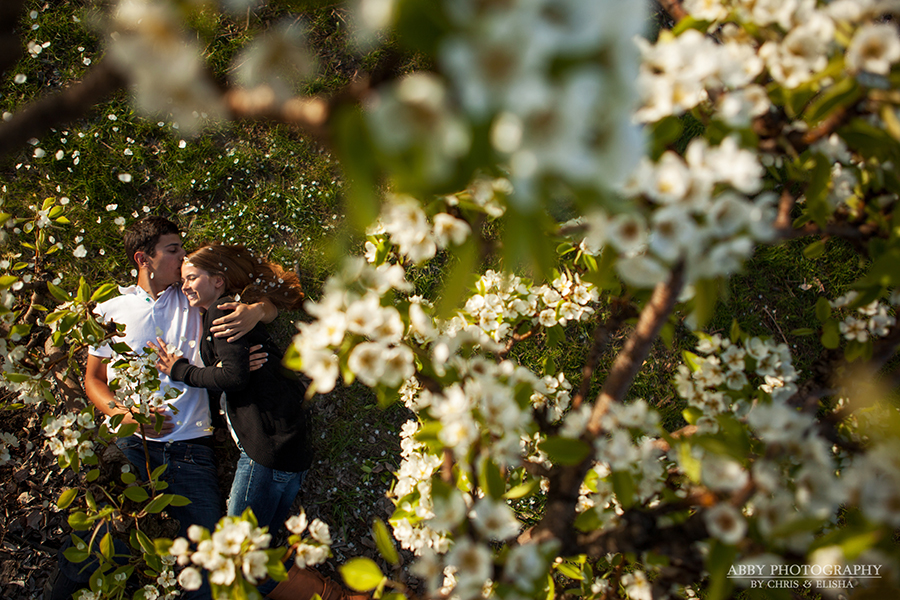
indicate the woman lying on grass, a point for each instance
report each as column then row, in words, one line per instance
column 263, row 408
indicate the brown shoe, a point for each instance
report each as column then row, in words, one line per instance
column 303, row 584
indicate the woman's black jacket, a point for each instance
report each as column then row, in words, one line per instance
column 265, row 407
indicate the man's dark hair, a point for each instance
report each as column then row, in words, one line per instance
column 144, row 234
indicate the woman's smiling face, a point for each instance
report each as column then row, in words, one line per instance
column 201, row 288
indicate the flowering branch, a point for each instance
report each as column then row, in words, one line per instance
column 60, row 107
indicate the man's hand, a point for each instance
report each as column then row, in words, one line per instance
column 237, row 323
column 242, row 319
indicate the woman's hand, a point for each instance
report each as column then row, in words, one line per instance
column 165, row 359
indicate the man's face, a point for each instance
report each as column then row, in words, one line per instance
column 165, row 264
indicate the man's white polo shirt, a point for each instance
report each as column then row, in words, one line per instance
column 171, row 318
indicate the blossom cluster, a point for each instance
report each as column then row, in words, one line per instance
column 235, row 549
column 486, row 409
column 352, row 306
column 503, row 300
column 504, row 61
column 70, row 434
column 134, row 379
column 703, row 214
column 729, row 368
column 872, row 320
column 163, row 62
column 7, row 441
column 408, row 228
column 313, row 549
column 630, row 449
column 678, row 73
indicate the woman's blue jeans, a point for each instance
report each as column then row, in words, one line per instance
column 269, row 492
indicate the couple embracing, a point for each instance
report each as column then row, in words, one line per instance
column 187, row 309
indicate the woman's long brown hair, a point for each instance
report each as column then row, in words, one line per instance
column 248, row 276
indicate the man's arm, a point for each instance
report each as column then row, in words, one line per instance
column 96, row 385
column 242, row 318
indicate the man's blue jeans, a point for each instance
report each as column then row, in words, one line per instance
column 192, row 473
column 270, row 493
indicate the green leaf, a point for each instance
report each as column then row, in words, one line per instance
column 384, row 542
column 814, row 250
column 159, row 503
column 706, row 294
column 66, row 498
column 736, row 332
column 84, row 291
column 58, row 293
column 858, row 350
column 689, row 463
column 491, row 480
column 525, row 489
column 461, row 278
column 823, row 310
column 127, row 430
column 76, row 556
column 136, row 493
column 817, row 192
column 145, row 542
column 157, row 472
column 831, row 334
column 803, row 331
column 720, row 559
column 570, row 571
column 104, row 292
column 565, row 451
column 843, row 93
column 588, row 521
column 107, row 549
column 664, row 133
column 7, row 280
column 179, row 500
column 79, row 521
column 291, row 359
column 623, row 486
column 361, row 574
column 883, row 272
column 690, row 22
column 692, row 414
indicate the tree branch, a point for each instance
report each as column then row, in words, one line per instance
column 674, row 8
column 63, row 106
column 636, row 349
